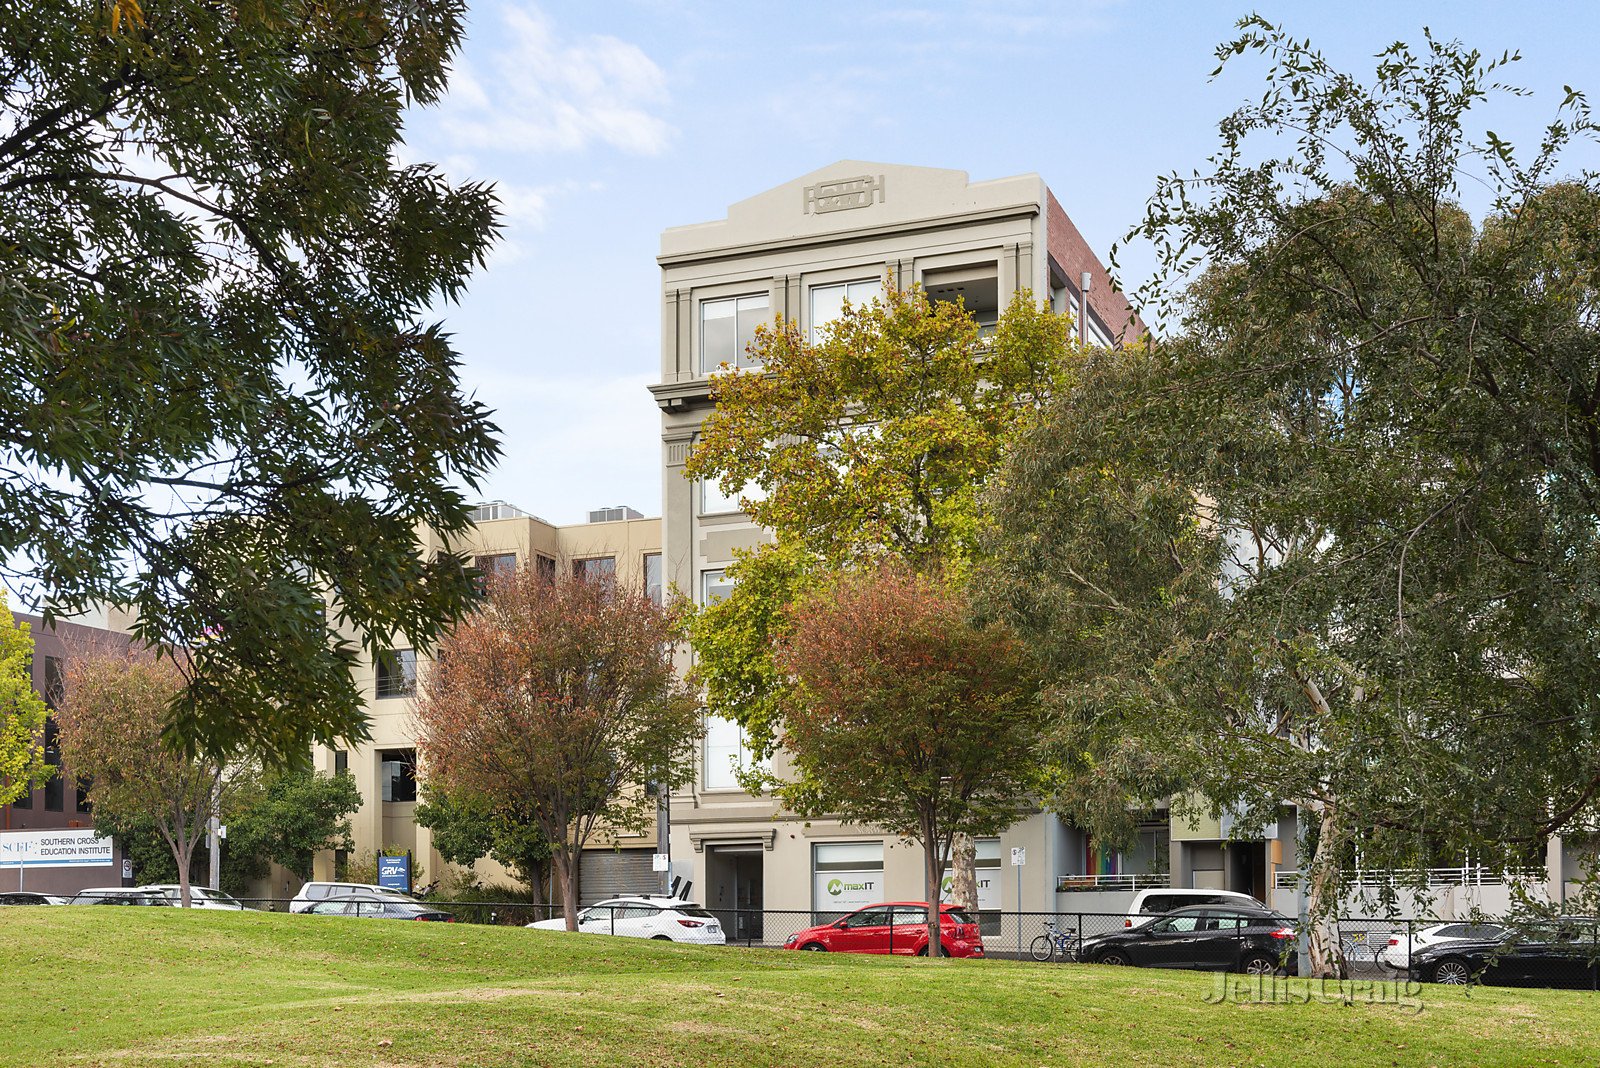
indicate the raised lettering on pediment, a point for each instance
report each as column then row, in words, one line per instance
column 842, row 194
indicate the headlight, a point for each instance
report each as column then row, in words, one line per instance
column 790, row 940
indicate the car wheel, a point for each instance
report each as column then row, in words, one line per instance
column 1259, row 965
column 1452, row 972
column 659, row 938
column 815, row 947
column 1112, row 957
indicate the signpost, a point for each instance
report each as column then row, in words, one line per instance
column 53, row 849
column 395, row 872
column 1019, row 858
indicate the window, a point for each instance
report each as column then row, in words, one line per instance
column 727, row 327
column 652, row 578
column 595, row 569
column 397, row 672
column 55, row 791
column 827, row 302
column 726, row 754
column 81, row 800
column 25, row 801
column 715, row 586
column 55, row 682
column 716, row 499
column 341, row 762
column 398, row 774
column 870, row 918
column 495, row 566
column 545, row 568
column 845, row 876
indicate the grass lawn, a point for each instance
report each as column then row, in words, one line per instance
column 120, row 986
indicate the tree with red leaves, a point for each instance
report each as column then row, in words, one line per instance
column 559, row 697
column 907, row 715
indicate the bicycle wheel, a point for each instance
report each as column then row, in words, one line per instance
column 1042, row 948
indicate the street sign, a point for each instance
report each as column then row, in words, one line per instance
column 1019, row 856
column 660, row 862
column 127, row 869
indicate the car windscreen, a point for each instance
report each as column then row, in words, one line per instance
column 693, row 910
column 958, row 915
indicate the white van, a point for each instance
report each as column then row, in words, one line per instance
column 312, row 892
column 1147, row 903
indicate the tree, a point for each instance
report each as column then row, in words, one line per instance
column 906, row 715
column 872, row 443
column 559, row 698
column 225, row 405
column 110, row 725
column 1335, row 542
column 22, row 712
column 467, row 829
column 287, row 817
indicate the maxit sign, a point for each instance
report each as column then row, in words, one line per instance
column 846, row 891
column 54, row 849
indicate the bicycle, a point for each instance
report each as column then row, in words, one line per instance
column 1054, row 942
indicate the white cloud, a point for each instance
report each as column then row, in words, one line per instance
column 541, row 91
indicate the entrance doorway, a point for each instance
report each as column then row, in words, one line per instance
column 1247, row 869
column 734, row 881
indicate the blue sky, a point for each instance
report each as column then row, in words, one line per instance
column 603, row 124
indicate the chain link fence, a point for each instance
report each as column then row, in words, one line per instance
column 1563, row 952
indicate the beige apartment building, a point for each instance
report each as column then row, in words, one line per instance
column 616, row 541
column 798, row 251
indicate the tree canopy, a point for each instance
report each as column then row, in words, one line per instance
column 904, row 715
column 227, row 408
column 559, row 697
column 1334, row 541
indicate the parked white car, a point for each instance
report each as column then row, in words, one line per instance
column 1397, row 954
column 665, row 918
column 312, row 892
column 200, row 897
column 1149, row 902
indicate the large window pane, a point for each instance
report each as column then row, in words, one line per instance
column 595, row 569
column 653, row 586
column 397, row 673
column 715, row 586
column 724, row 753
column 727, row 327
column 827, row 302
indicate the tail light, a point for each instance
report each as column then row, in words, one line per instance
column 691, row 923
column 1394, row 941
column 1283, row 932
column 1127, row 923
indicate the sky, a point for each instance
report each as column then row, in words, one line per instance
column 603, row 124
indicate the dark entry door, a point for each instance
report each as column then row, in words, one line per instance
column 734, row 890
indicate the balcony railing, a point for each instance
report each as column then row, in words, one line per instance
column 1467, row 875
column 1068, row 884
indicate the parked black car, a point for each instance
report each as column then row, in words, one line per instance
column 1206, row 937
column 1563, row 952
column 376, row 908
column 25, row 897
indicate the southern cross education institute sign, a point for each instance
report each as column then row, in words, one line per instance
column 54, row 849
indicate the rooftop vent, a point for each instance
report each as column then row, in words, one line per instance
column 613, row 515
column 491, row 510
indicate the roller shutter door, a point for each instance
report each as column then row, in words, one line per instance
column 607, row 873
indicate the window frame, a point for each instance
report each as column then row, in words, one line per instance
column 741, row 357
column 813, row 327
column 383, row 686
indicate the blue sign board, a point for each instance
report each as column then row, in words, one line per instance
column 395, row 872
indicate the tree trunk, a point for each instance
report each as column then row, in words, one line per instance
column 931, row 878
column 1322, row 906
column 563, row 860
column 964, row 872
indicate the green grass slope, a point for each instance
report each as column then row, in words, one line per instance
column 126, row 987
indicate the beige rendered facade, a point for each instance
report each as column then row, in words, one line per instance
column 620, row 541
column 796, row 251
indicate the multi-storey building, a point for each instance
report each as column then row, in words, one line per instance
column 616, row 542
column 797, row 252
column 62, row 803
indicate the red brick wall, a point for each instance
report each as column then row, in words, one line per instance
column 1073, row 253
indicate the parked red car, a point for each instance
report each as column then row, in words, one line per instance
column 899, row 927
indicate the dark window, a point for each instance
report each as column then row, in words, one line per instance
column 341, row 864
column 341, row 762
column 545, row 568
column 397, row 673
column 55, row 682
column 25, row 801
column 399, row 774
column 82, row 802
column 55, row 791
column 652, row 577
column 495, row 566
column 595, row 569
